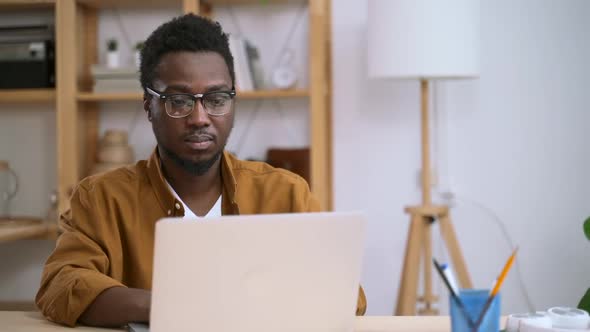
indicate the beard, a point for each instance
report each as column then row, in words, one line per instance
column 196, row 168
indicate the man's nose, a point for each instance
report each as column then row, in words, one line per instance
column 199, row 117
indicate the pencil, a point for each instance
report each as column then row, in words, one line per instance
column 496, row 289
column 452, row 291
column 504, row 273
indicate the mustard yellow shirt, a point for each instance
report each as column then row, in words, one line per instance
column 108, row 232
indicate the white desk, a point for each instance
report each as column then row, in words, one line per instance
column 19, row 321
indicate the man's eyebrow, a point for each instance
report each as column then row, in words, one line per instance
column 218, row 87
column 178, row 87
column 186, row 89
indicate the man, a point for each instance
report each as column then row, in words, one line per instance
column 100, row 272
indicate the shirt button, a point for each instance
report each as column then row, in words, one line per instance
column 177, row 206
column 169, row 212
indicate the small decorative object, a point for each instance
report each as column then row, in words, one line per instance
column 138, row 47
column 555, row 319
column 114, row 152
column 112, row 53
column 52, row 215
column 8, row 187
column 284, row 76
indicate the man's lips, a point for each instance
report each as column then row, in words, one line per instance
column 199, row 141
column 199, row 138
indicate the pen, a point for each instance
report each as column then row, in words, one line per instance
column 448, row 272
column 453, row 293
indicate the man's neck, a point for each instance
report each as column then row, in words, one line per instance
column 190, row 186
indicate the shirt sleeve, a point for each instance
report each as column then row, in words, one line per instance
column 361, row 303
column 76, row 272
column 303, row 199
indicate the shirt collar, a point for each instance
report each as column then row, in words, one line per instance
column 166, row 197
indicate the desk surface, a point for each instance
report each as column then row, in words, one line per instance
column 19, row 321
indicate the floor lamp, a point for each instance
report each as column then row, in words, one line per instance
column 424, row 40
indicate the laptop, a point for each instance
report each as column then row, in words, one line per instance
column 280, row 272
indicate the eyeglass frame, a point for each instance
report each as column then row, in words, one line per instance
column 196, row 97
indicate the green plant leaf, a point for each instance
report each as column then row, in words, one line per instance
column 585, row 301
column 587, row 228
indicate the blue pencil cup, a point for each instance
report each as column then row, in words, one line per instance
column 474, row 301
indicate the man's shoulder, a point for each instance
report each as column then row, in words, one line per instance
column 245, row 170
column 262, row 188
column 116, row 179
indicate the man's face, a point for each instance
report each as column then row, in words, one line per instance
column 196, row 141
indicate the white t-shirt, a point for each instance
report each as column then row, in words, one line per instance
column 189, row 214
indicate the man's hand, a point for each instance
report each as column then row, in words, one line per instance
column 118, row 306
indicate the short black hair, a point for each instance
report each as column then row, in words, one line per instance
column 189, row 32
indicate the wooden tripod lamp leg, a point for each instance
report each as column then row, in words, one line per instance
column 406, row 300
column 428, row 297
column 449, row 236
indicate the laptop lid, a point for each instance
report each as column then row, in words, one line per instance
column 281, row 272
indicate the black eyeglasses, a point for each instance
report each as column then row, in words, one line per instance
column 180, row 105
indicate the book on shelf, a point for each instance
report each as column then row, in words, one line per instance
column 247, row 65
column 103, row 72
column 115, row 85
column 122, row 79
column 255, row 66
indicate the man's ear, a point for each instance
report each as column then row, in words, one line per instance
column 146, row 108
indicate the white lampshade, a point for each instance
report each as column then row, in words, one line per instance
column 424, row 39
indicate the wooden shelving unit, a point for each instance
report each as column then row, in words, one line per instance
column 19, row 231
column 77, row 111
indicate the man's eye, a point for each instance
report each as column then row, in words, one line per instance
column 179, row 102
column 217, row 100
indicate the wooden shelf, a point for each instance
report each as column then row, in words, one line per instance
column 21, row 232
column 26, row 4
column 248, row 2
column 105, row 4
column 273, row 94
column 101, row 4
column 131, row 96
column 98, row 97
column 27, row 96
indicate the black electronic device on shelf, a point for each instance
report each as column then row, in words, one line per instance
column 27, row 57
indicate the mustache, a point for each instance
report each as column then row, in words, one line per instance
column 199, row 133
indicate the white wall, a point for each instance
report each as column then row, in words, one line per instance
column 512, row 140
